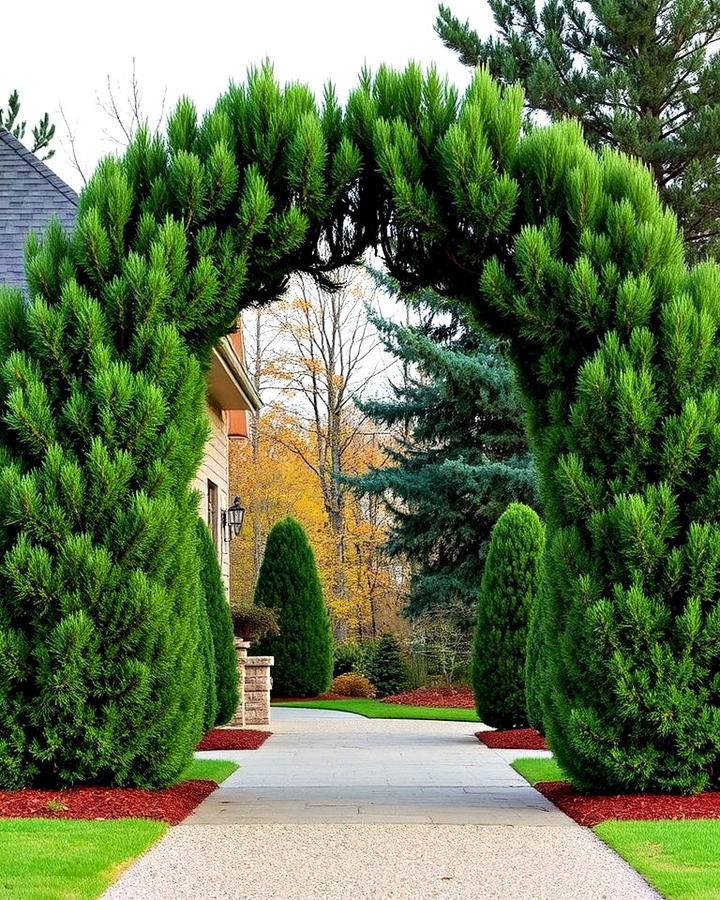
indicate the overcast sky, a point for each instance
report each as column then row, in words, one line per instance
column 61, row 53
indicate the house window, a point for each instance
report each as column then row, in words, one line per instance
column 213, row 514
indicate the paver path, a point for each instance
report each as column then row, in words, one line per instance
column 338, row 806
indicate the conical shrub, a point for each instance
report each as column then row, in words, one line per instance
column 222, row 663
column 288, row 582
column 507, row 594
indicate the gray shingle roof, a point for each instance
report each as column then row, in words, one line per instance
column 30, row 194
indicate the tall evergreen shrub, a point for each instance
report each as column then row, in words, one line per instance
column 507, row 594
column 572, row 256
column 288, row 582
column 220, row 629
column 102, row 421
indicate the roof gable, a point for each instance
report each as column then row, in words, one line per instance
column 30, row 195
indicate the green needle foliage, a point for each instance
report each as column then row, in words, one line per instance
column 507, row 594
column 573, row 258
column 102, row 421
column 288, row 582
column 43, row 133
column 460, row 454
column 639, row 76
column 568, row 254
column 222, row 662
column 386, row 667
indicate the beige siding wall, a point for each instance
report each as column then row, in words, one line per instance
column 215, row 468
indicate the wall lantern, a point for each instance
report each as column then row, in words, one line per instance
column 232, row 520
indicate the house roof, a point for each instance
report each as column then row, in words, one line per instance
column 30, row 195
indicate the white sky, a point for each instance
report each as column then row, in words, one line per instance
column 61, row 53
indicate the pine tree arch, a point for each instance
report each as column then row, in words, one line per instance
column 569, row 255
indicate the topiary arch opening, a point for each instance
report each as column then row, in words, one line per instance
column 568, row 254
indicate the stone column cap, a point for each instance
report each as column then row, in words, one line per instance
column 241, row 644
column 260, row 661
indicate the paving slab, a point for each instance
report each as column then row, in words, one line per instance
column 339, row 806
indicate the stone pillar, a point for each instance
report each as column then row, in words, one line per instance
column 241, row 649
column 257, row 689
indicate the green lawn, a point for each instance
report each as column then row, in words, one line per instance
column 538, row 768
column 374, row 709
column 62, row 859
column 680, row 859
column 216, row 770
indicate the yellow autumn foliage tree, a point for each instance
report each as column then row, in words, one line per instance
column 310, row 355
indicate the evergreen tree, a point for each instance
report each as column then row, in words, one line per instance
column 288, row 582
column 103, row 423
column 42, row 133
column 460, row 457
column 223, row 663
column 507, row 595
column 386, row 668
column 640, row 76
column 535, row 655
column 572, row 257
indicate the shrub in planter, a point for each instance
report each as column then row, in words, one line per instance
column 386, row 667
column 252, row 621
column 353, row 685
column 289, row 584
column 217, row 615
column 507, row 591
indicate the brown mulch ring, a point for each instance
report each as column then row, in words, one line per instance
column 456, row 698
column 589, row 809
column 233, row 739
column 169, row 805
column 513, row 739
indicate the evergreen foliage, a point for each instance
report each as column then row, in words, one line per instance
column 460, row 454
column 535, row 654
column 288, row 582
column 223, row 664
column 385, row 667
column 43, row 133
column 572, row 257
column 103, row 424
column 568, row 254
column 507, row 595
column 641, row 77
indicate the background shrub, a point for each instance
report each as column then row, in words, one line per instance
column 353, row 684
column 386, row 667
column 288, row 583
column 346, row 658
column 508, row 588
column 217, row 615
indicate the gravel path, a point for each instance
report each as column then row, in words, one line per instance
column 337, row 806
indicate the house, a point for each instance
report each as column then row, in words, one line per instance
column 30, row 194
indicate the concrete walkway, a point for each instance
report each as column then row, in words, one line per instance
column 338, row 806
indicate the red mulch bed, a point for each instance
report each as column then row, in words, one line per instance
column 457, row 698
column 233, row 739
column 513, row 739
column 169, row 805
column 589, row 809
